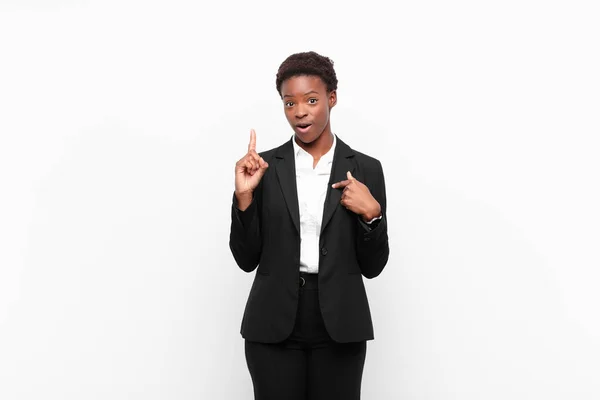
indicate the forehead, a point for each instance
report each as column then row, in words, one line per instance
column 301, row 84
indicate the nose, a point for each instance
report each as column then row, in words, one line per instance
column 300, row 112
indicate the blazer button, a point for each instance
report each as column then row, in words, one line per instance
column 324, row 251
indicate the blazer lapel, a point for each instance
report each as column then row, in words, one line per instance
column 342, row 163
column 286, row 173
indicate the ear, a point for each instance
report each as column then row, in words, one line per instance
column 332, row 99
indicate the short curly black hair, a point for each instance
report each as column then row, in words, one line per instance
column 307, row 63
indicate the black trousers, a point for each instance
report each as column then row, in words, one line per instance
column 308, row 365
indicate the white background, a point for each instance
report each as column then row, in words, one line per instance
column 120, row 125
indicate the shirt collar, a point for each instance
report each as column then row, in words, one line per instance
column 325, row 157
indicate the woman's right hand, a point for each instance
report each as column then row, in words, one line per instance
column 249, row 170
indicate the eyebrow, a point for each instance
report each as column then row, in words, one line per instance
column 312, row 91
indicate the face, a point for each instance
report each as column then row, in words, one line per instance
column 307, row 105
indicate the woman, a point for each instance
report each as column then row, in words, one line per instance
column 311, row 214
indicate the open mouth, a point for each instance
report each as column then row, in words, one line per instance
column 303, row 127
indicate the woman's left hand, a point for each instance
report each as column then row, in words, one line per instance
column 357, row 198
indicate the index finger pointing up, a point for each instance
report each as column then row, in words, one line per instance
column 252, row 144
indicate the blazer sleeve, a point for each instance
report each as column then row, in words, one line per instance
column 372, row 246
column 245, row 239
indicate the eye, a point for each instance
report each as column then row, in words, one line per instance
column 289, row 104
column 312, row 101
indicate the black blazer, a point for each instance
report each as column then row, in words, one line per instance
column 267, row 235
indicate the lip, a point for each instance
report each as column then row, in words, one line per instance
column 303, row 130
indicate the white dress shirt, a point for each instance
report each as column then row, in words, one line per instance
column 312, row 184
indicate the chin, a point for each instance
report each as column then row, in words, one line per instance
column 307, row 139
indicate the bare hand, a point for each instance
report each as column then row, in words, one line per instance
column 249, row 170
column 357, row 198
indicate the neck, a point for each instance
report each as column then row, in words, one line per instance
column 320, row 146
